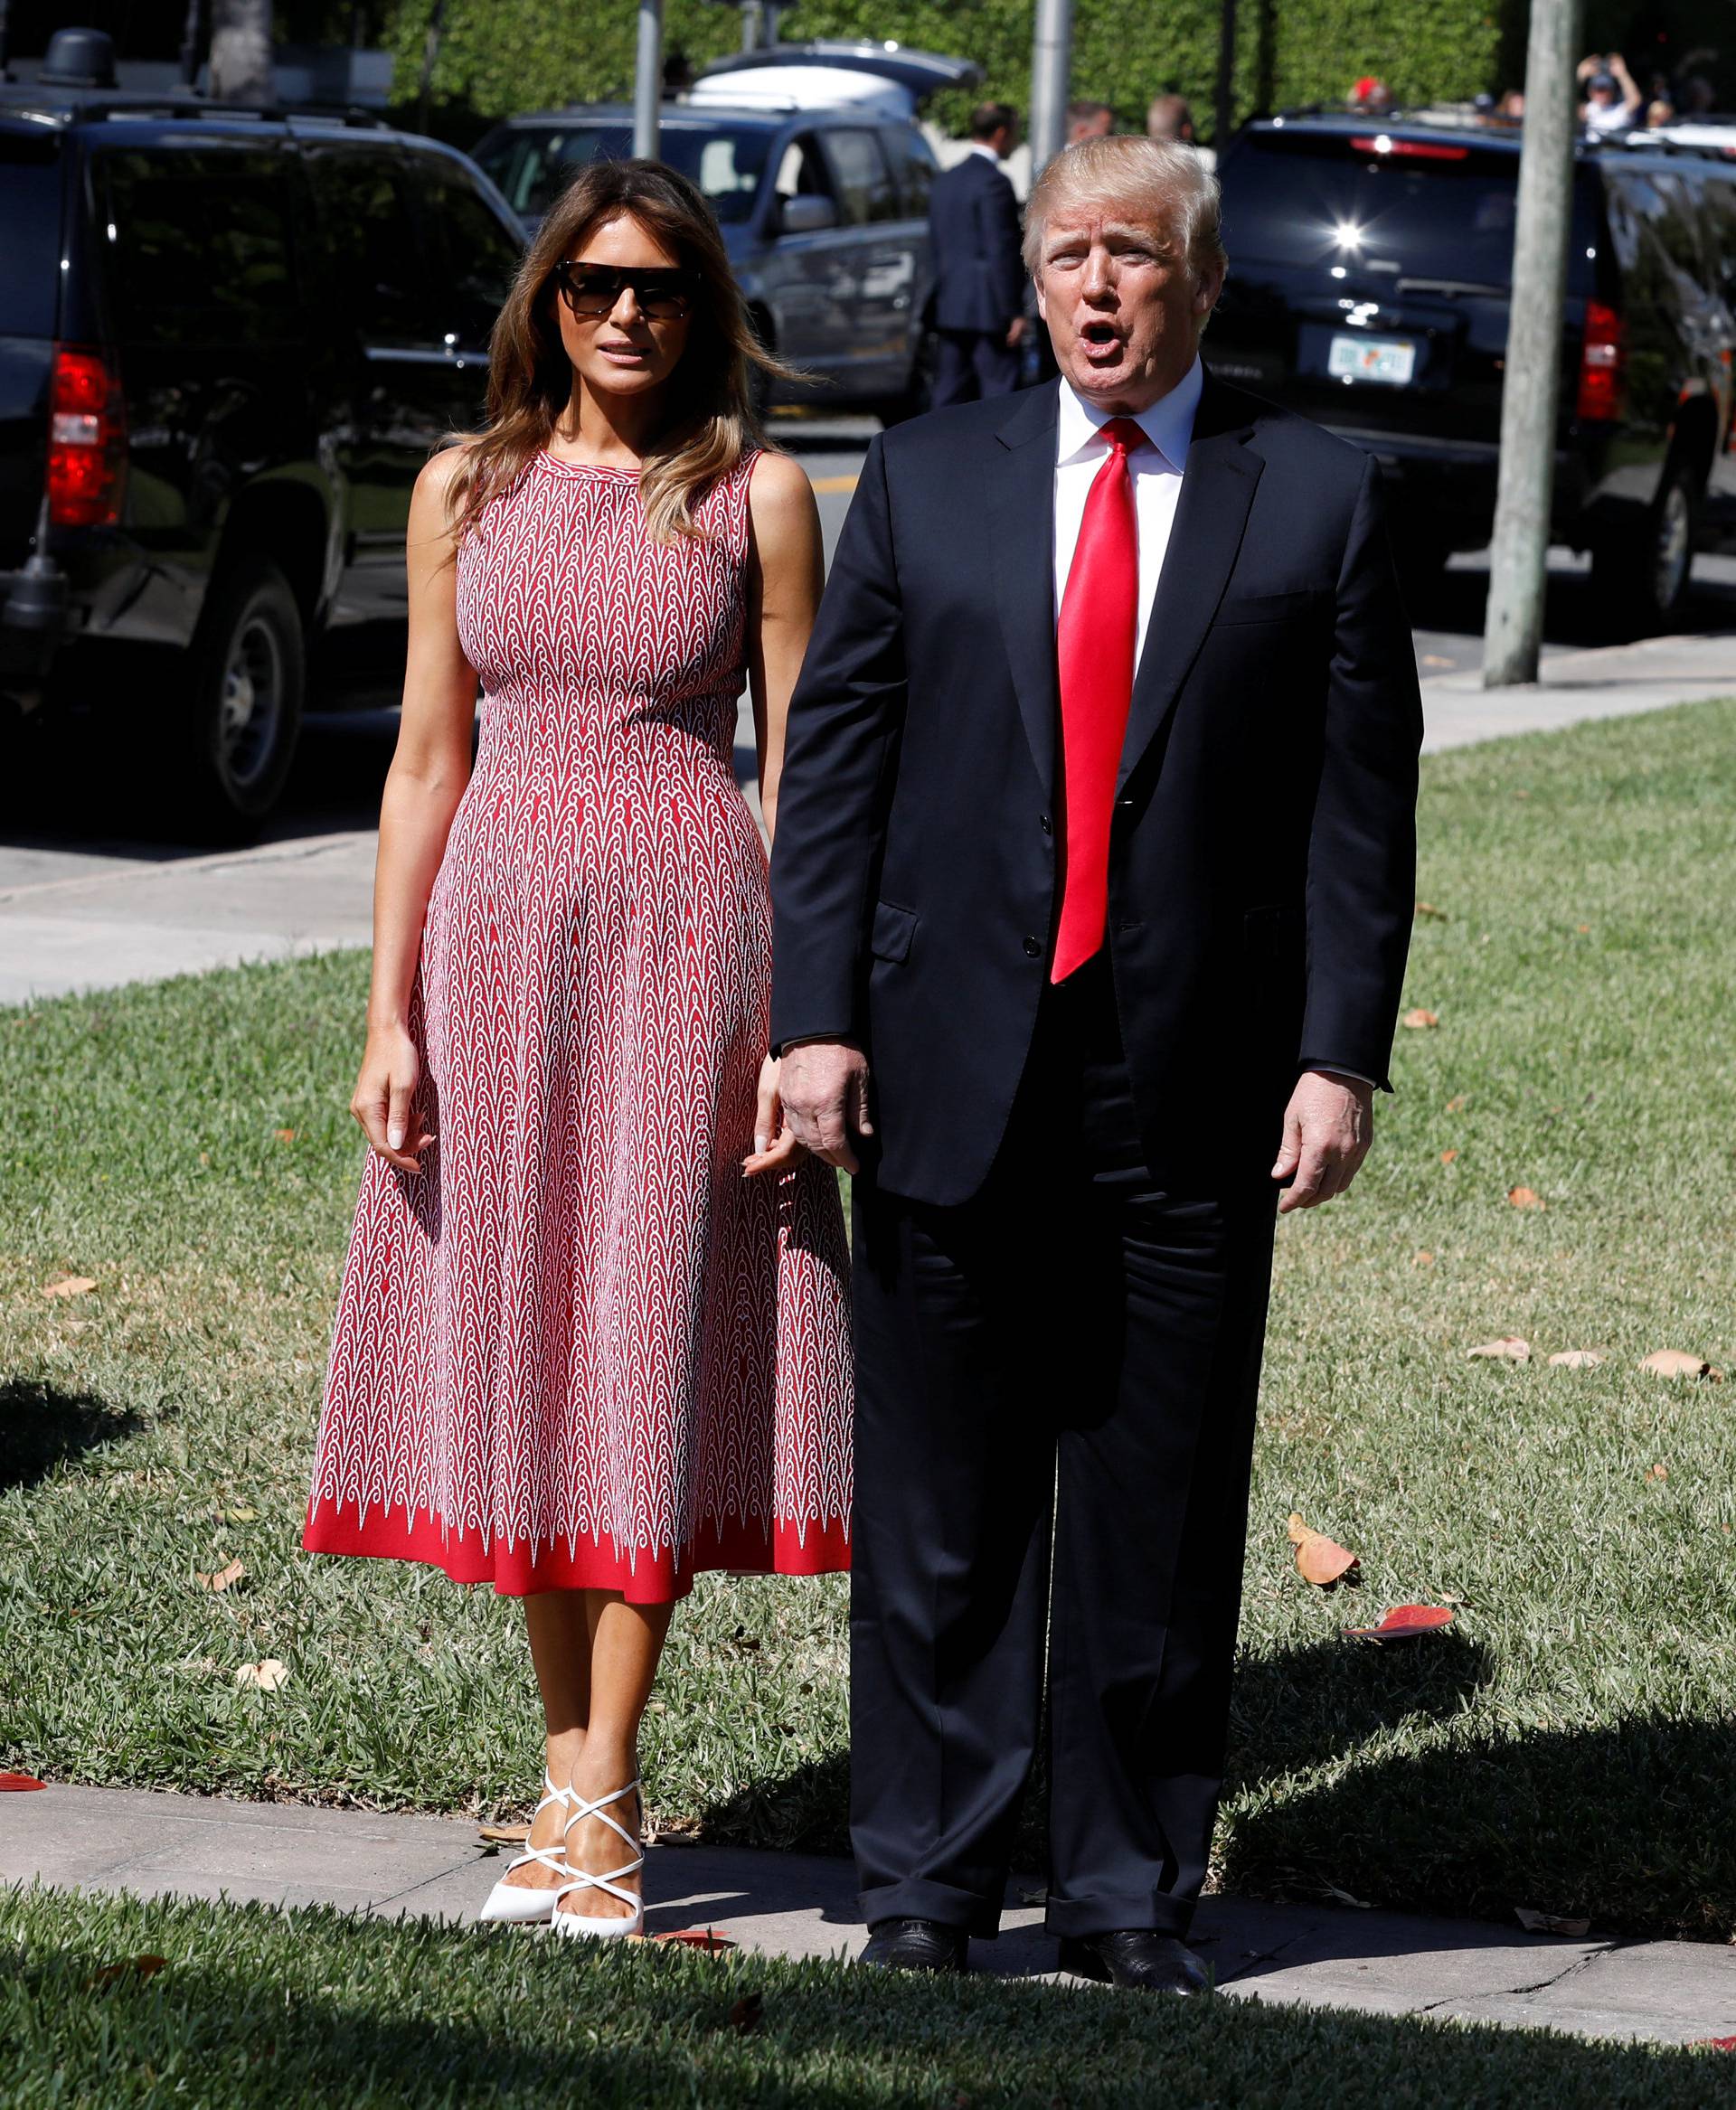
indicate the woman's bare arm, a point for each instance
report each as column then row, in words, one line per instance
column 430, row 769
column 786, row 571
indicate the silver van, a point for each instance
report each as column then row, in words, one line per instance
column 825, row 212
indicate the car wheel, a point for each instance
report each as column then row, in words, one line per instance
column 243, row 717
column 1644, row 575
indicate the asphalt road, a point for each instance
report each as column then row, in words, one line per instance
column 83, row 823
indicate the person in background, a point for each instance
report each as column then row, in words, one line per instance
column 1371, row 95
column 1169, row 118
column 1089, row 120
column 1512, row 106
column 979, row 276
column 1613, row 102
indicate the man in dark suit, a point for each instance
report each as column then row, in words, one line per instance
column 978, row 273
column 1095, row 853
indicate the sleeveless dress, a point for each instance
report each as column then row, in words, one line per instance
column 579, row 1350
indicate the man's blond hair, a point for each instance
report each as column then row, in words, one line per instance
column 1158, row 183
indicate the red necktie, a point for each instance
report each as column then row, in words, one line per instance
column 1094, row 644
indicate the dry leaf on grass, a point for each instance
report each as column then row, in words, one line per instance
column 242, row 1516
column 504, row 1834
column 1405, row 1622
column 707, row 1940
column 19, row 1784
column 1576, row 1358
column 1525, row 1197
column 286, row 1134
column 1510, row 1348
column 1318, row 1560
column 1446, row 1156
column 745, row 2015
column 1422, row 1258
column 1712, row 2044
column 1457, row 1104
column 1549, row 1922
column 1418, row 1019
column 69, row 1286
column 128, row 1967
column 267, row 1674
column 224, row 1578
column 1429, row 908
column 1677, row 1362
column 1658, row 1472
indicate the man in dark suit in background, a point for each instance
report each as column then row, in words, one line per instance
column 1096, row 851
column 978, row 274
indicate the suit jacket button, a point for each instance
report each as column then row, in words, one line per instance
column 1048, row 825
column 1033, row 949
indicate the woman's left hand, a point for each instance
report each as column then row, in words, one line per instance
column 775, row 1146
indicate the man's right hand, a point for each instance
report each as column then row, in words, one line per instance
column 823, row 1086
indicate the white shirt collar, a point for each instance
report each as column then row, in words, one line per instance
column 1167, row 425
column 976, row 146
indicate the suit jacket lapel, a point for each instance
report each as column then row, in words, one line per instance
column 1217, row 491
column 1020, row 515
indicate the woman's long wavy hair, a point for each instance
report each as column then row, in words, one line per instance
column 712, row 422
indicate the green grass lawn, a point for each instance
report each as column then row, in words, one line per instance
column 1568, row 1746
column 254, row 2007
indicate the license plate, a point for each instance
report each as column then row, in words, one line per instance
column 1387, row 358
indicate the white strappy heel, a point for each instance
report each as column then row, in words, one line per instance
column 523, row 1904
column 576, row 1923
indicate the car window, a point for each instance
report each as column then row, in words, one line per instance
column 1311, row 203
column 801, row 174
column 199, row 245
column 1655, row 237
column 913, row 169
column 1718, row 205
column 863, row 182
column 30, row 256
column 371, row 241
column 481, row 259
column 531, row 165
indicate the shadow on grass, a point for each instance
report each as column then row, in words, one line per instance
column 40, row 1428
column 254, row 2008
column 1628, row 1824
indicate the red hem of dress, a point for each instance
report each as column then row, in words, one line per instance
column 523, row 1570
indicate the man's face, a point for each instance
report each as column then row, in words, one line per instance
column 1123, row 310
column 1097, row 127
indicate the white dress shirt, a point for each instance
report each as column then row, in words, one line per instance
column 1156, row 467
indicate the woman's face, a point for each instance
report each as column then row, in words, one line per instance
column 622, row 350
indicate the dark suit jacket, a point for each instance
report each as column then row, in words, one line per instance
column 1261, row 874
column 975, row 233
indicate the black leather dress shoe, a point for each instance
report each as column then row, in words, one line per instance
column 915, row 1945
column 1137, row 1957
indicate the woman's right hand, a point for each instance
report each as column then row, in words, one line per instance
column 385, row 1090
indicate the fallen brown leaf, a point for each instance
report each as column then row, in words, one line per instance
column 1525, row 1197
column 1549, row 1922
column 1509, row 1348
column 19, row 1784
column 1446, row 1156
column 706, row 1939
column 242, row 1516
column 128, row 1967
column 224, row 1578
column 1429, row 908
column 69, row 1286
column 1576, row 1358
column 1405, row 1622
column 745, row 2015
column 1677, row 1362
column 286, row 1134
column 1318, row 1560
column 1457, row 1104
column 1658, row 1472
column 1418, row 1019
column 267, row 1674
column 1422, row 1258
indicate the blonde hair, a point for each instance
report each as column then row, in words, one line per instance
column 1159, row 183
column 713, row 422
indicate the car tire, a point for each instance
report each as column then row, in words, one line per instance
column 1641, row 577
column 241, row 720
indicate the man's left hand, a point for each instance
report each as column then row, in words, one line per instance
column 1328, row 1126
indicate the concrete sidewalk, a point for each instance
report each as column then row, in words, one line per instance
column 795, row 1904
column 71, row 919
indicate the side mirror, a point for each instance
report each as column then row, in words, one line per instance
column 806, row 215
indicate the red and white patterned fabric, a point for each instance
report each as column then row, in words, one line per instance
column 579, row 1351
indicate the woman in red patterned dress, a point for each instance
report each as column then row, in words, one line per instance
column 593, row 1334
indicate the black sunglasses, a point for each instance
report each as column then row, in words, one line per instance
column 593, row 290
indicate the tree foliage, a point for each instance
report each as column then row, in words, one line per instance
column 499, row 56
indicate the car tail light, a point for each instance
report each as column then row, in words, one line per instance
column 1413, row 149
column 87, row 440
column 1603, row 363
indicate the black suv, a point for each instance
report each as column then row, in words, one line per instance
column 229, row 341
column 1371, row 273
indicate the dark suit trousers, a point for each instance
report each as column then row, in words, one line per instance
column 1056, row 1387
column 972, row 364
